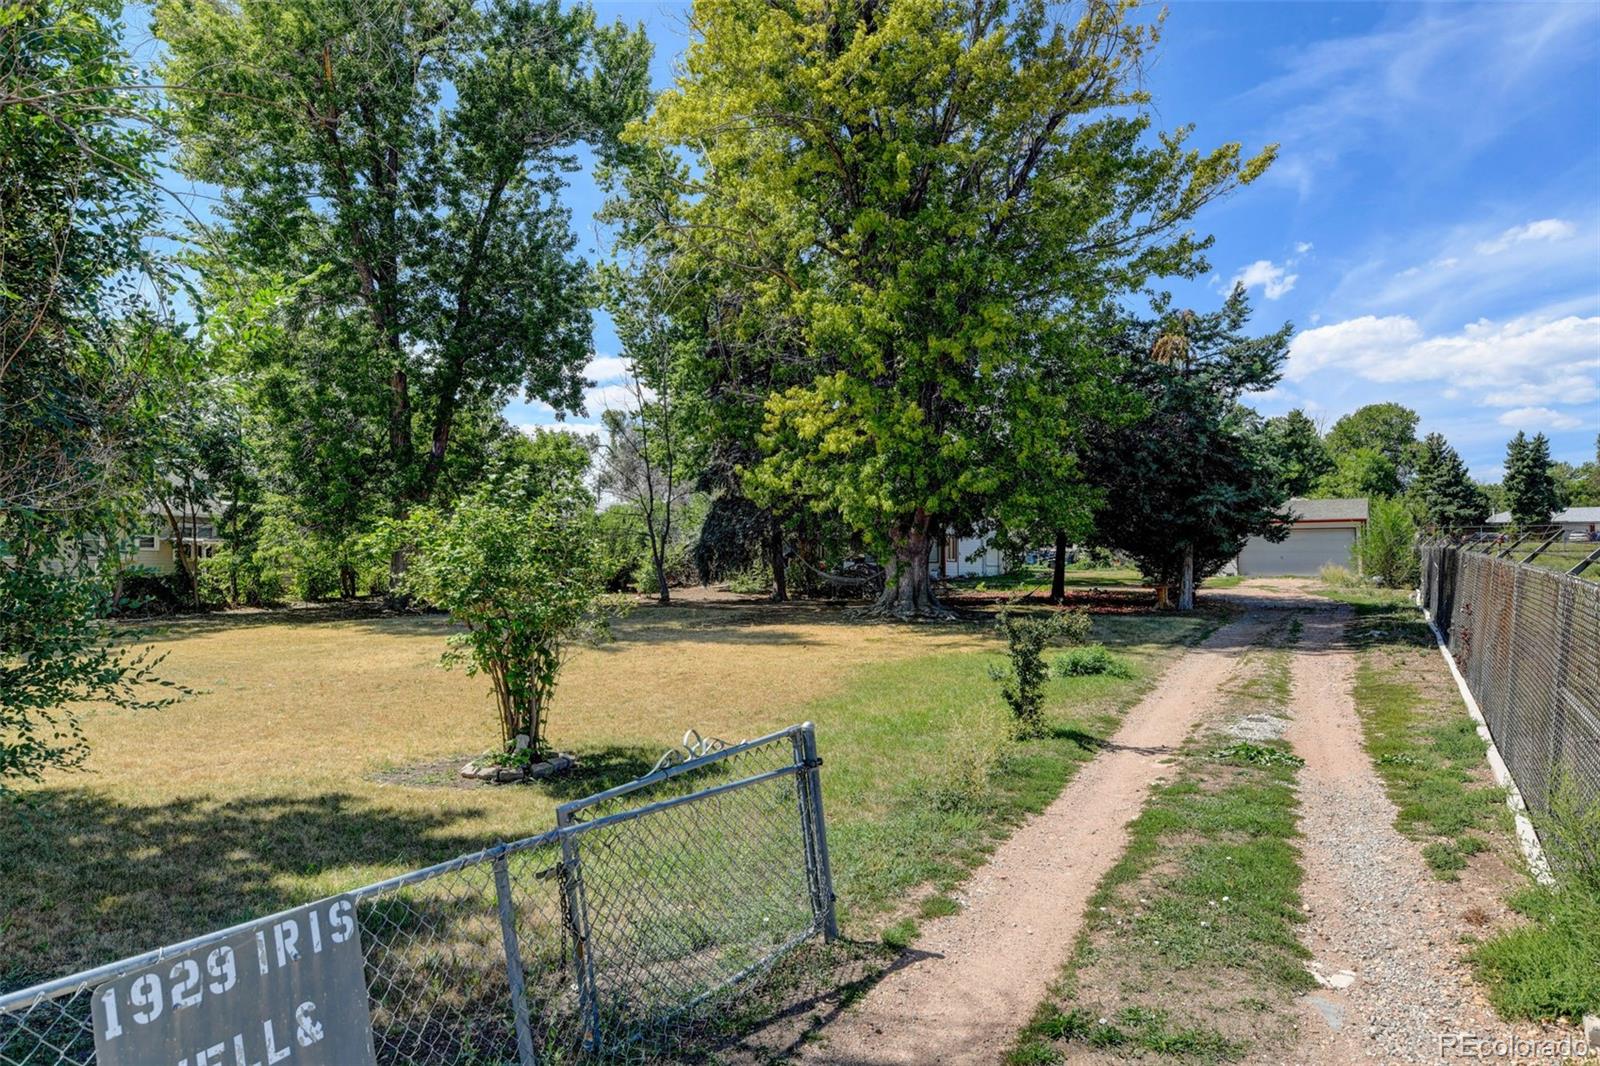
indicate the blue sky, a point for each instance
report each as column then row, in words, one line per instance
column 1431, row 227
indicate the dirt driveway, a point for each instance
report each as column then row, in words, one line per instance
column 979, row 974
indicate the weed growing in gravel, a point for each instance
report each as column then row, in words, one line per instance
column 1258, row 754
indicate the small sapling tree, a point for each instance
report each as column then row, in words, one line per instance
column 1027, row 637
column 519, row 564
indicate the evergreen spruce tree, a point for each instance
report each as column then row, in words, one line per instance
column 1530, row 490
column 1443, row 495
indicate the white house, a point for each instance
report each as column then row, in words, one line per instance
column 1579, row 523
column 1320, row 532
column 953, row 556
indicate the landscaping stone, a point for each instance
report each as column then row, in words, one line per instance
column 470, row 770
column 1591, row 1029
column 554, row 765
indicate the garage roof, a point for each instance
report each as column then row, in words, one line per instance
column 1345, row 510
column 1571, row 514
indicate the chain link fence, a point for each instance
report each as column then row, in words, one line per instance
column 610, row 938
column 1526, row 637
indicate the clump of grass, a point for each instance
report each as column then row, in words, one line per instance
column 938, row 907
column 1132, row 1028
column 1340, row 577
column 1091, row 660
column 901, row 934
column 981, row 746
column 1258, row 754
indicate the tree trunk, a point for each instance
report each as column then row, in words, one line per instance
column 780, row 571
column 1186, row 594
column 1058, row 570
column 1163, row 596
column 663, row 596
column 907, row 585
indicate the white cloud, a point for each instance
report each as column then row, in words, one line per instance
column 1302, row 247
column 607, row 368
column 1523, row 362
column 1273, row 280
column 1538, row 418
column 577, row 429
column 1545, row 229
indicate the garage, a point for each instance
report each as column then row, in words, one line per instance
column 1320, row 532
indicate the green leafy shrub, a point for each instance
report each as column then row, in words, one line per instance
column 1386, row 550
column 518, row 564
column 1091, row 660
column 752, row 580
column 1027, row 637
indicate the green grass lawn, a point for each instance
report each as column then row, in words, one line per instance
column 318, row 754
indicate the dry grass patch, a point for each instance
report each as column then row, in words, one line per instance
column 308, row 760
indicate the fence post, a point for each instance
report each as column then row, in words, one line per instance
column 578, row 920
column 819, row 871
column 508, row 934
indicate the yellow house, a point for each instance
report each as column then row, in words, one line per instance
column 158, row 549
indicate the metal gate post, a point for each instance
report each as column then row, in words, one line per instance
column 508, row 934
column 818, row 866
column 578, row 920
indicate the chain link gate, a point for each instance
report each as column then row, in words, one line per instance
column 605, row 939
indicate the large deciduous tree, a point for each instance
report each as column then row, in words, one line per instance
column 407, row 156
column 86, row 364
column 1187, row 484
column 923, row 198
column 1374, row 451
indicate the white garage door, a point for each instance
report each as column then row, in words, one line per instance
column 1304, row 553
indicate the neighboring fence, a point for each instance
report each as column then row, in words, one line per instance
column 1526, row 637
column 609, row 938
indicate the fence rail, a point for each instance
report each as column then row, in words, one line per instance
column 1526, row 637
column 605, row 939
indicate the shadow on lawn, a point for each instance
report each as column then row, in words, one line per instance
column 85, row 880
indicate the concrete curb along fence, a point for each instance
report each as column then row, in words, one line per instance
column 1527, row 836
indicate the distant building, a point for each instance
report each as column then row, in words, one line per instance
column 1320, row 532
column 156, row 546
column 1579, row 523
column 953, row 556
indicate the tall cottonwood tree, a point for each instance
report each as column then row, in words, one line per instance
column 406, row 156
column 924, row 192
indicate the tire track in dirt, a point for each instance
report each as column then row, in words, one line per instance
column 979, row 974
column 1376, row 922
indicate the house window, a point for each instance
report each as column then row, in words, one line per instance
column 206, row 532
column 145, row 542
